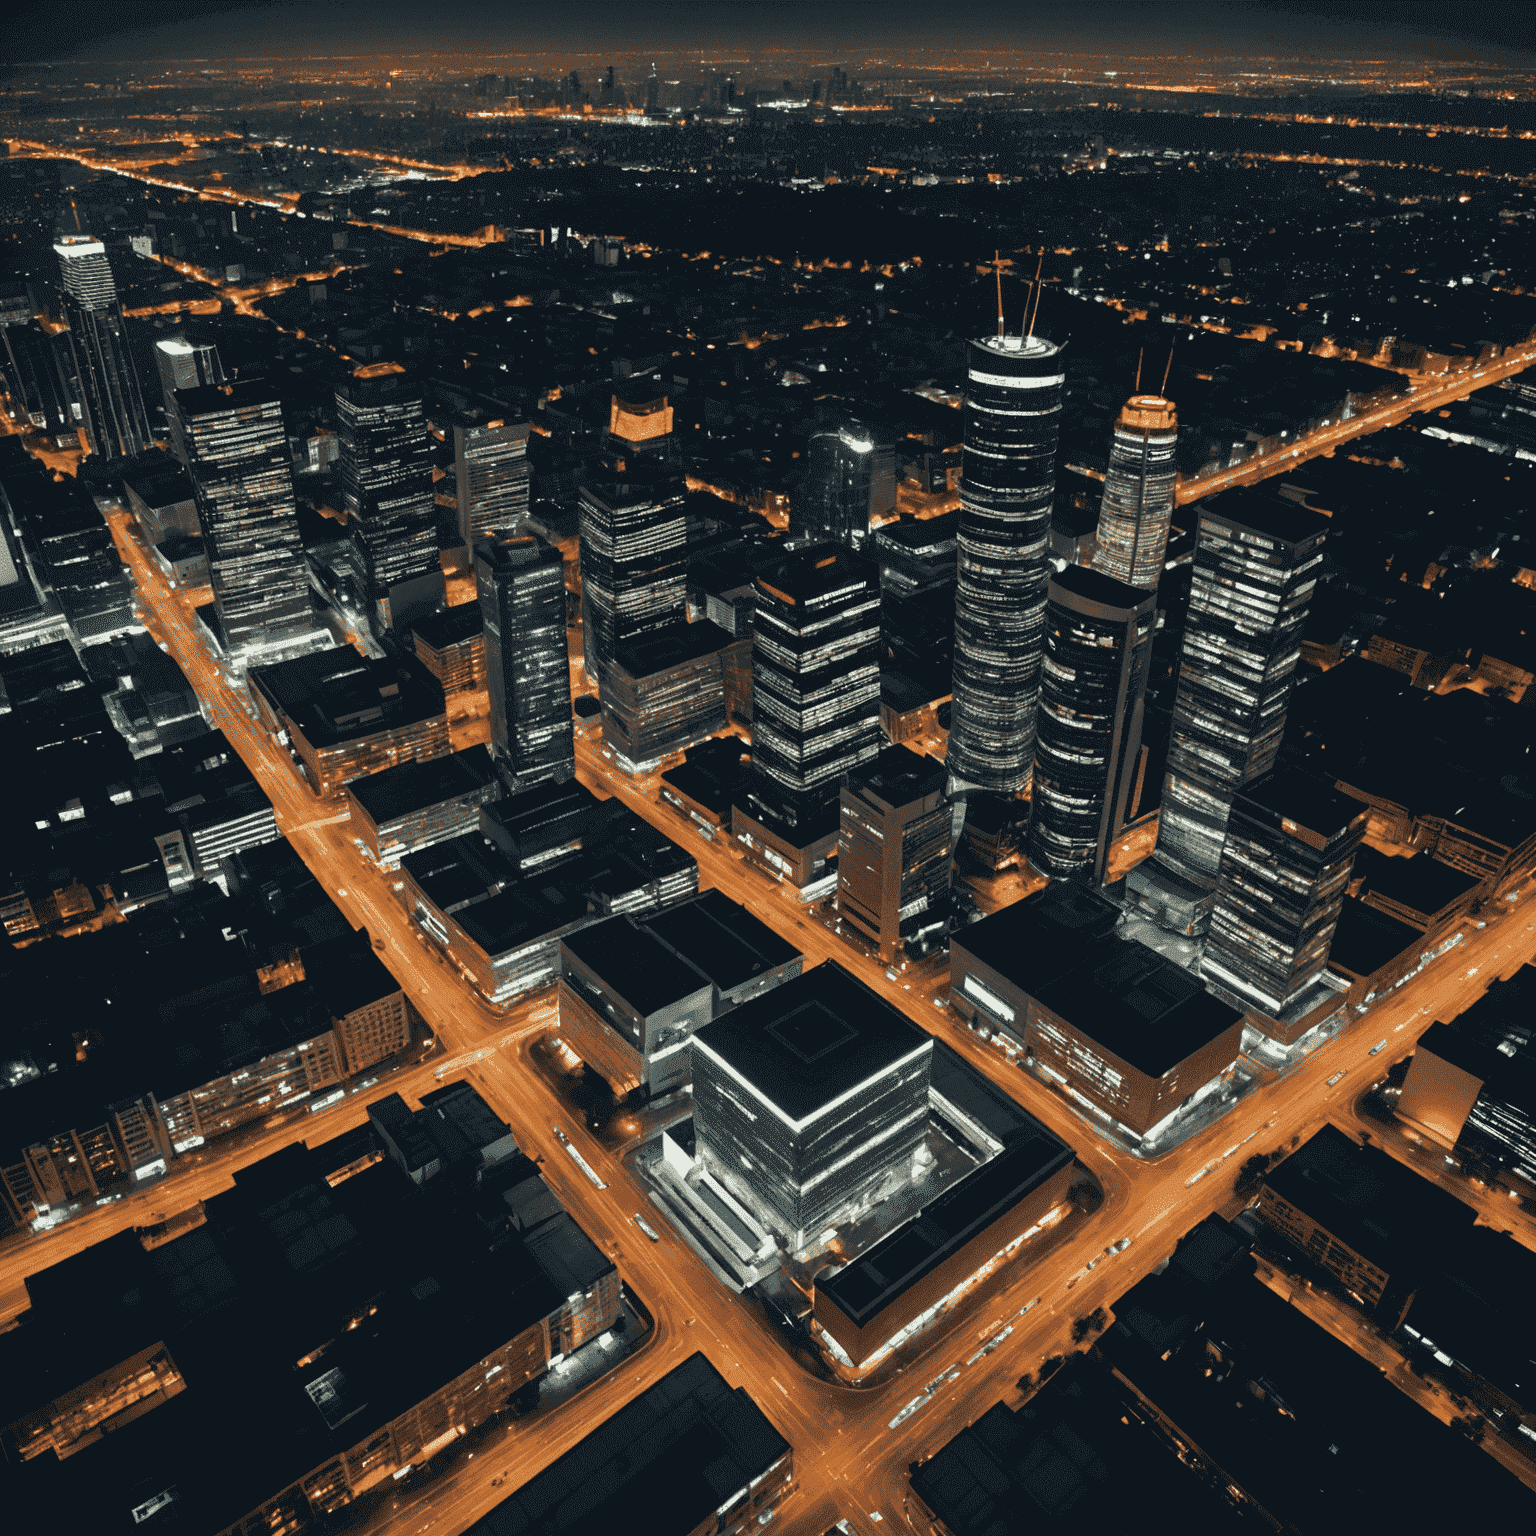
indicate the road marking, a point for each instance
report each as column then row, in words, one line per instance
column 779, row 1384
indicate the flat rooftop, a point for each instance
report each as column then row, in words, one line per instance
column 884, row 1272
column 722, row 939
column 812, row 1039
column 634, row 964
column 1263, row 512
column 1366, row 939
column 411, row 787
column 1038, row 936
column 898, row 776
column 1384, row 1210
column 681, row 1450
column 1133, row 1002
column 1421, row 884
column 452, row 626
column 1309, row 801
column 339, row 695
column 675, row 646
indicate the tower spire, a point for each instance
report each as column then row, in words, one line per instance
column 997, row 272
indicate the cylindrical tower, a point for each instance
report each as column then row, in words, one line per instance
column 1008, row 480
column 1139, row 492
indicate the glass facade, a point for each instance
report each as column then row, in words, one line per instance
column 1012, row 423
column 1139, row 492
column 242, row 478
column 521, row 581
column 490, row 460
column 1098, row 644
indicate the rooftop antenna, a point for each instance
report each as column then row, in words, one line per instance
column 997, row 271
column 1136, row 387
column 1163, row 392
column 1038, row 291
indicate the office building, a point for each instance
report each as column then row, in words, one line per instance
column 1290, row 844
column 665, row 693
column 184, row 364
column 1370, row 1222
column 416, row 804
column 385, row 480
column 242, row 480
column 1098, row 646
column 76, row 552
column 1083, row 1453
column 697, row 1457
column 341, row 715
column 1257, row 561
column 703, row 787
column 995, row 964
column 894, row 853
column 629, row 1005
column 163, row 501
column 883, row 1299
column 1139, row 492
column 816, row 705
column 491, row 474
column 917, row 602
column 634, row 534
column 1420, row 891
column 849, row 480
column 807, row 1099
column 1012, row 421
column 38, row 373
column 1469, row 1095
column 341, row 1324
column 115, row 421
column 451, row 646
column 546, row 823
column 521, row 582
column 1130, row 1035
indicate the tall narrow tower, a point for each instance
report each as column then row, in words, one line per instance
column 1257, row 560
column 521, row 582
column 116, row 424
column 385, row 458
column 1098, row 645
column 1139, row 492
column 184, row 364
column 1008, row 479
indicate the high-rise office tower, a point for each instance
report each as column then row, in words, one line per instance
column 1257, row 560
column 521, row 581
column 815, row 707
column 894, row 851
column 242, row 477
column 815, row 676
column 386, row 488
column 917, row 599
column 1139, row 492
column 116, row 424
column 1098, row 645
column 1290, row 845
column 39, row 372
column 634, row 535
column 850, row 479
column 491, row 475
column 1008, row 477
column 184, row 364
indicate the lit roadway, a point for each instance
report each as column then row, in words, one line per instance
column 1424, row 395
column 848, row 1462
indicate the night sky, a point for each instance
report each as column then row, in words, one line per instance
column 140, row 29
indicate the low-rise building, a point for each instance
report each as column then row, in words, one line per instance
column 451, row 646
column 417, row 804
column 665, row 692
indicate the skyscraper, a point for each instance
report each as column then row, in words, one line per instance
column 1012, row 422
column 1290, row 845
column 116, row 425
column 184, row 364
column 1098, row 644
column 850, row 478
column 634, row 534
column 894, row 851
column 1139, row 492
column 242, row 477
column 1257, row 560
column 815, row 699
column 521, row 581
column 491, row 477
column 386, row 488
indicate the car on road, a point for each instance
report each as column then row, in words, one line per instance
column 1334, row 1079
column 1380, row 1046
column 647, row 1228
column 1119, row 1247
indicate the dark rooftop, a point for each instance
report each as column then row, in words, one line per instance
column 898, row 776
column 1039, row 937
column 450, row 627
column 1083, row 581
column 682, row 1449
column 673, row 646
column 721, row 938
column 1421, row 884
column 1262, row 511
column 1366, row 938
column 410, row 787
column 1382, row 1209
column 339, row 695
column 1311, row 802
column 635, row 964
column 812, row 1039
column 1147, row 1010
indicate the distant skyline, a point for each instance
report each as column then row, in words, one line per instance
column 136, row 30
